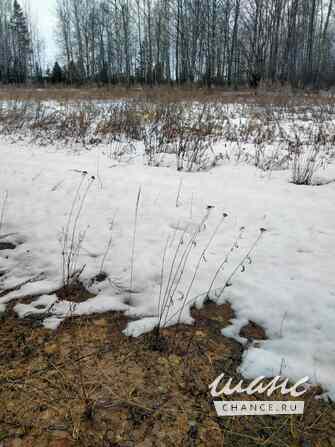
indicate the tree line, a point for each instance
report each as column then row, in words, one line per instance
column 220, row 42
column 208, row 42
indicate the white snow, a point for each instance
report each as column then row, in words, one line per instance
column 289, row 288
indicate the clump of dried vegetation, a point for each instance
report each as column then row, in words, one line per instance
column 175, row 293
column 72, row 236
column 186, row 133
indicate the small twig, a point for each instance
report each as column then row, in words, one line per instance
column 132, row 261
column 3, row 210
column 179, row 192
column 109, row 245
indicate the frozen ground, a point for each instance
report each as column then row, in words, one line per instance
column 287, row 285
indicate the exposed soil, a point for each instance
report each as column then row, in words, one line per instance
column 76, row 292
column 7, row 246
column 86, row 384
column 253, row 331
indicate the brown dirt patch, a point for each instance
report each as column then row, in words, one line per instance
column 7, row 246
column 86, row 384
column 253, row 331
column 75, row 292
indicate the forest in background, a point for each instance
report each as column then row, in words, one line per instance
column 152, row 42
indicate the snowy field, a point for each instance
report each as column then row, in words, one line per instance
column 152, row 241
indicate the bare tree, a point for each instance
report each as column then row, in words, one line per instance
column 207, row 41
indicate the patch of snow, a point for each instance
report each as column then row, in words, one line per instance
column 32, row 288
column 289, row 288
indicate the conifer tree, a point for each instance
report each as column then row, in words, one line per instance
column 57, row 74
column 21, row 45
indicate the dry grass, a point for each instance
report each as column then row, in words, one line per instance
column 166, row 94
column 88, row 385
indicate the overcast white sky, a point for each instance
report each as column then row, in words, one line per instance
column 44, row 12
